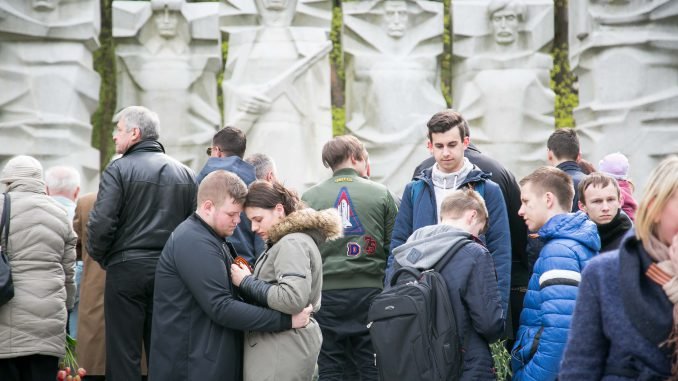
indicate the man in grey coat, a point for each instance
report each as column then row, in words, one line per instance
column 198, row 316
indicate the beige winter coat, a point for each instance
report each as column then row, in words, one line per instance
column 41, row 253
column 294, row 266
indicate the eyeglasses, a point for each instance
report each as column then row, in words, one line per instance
column 209, row 150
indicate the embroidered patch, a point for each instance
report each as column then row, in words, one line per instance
column 343, row 180
column 349, row 218
column 352, row 249
column 370, row 245
column 413, row 256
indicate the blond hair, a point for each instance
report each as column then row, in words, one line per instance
column 220, row 185
column 456, row 203
column 661, row 186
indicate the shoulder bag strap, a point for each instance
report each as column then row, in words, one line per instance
column 450, row 253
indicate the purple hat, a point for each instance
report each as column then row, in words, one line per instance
column 615, row 165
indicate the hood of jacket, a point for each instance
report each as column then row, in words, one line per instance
column 323, row 225
column 574, row 226
column 427, row 245
column 474, row 175
column 27, row 185
column 234, row 164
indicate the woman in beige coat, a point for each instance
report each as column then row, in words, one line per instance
column 287, row 277
column 41, row 253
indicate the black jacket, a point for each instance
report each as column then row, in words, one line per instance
column 142, row 197
column 472, row 286
column 198, row 317
column 611, row 233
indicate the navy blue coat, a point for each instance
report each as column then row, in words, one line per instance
column 414, row 214
column 571, row 240
column 246, row 243
column 617, row 327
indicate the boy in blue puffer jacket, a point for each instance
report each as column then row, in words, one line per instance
column 571, row 239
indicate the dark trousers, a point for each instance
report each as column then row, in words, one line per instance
column 128, row 309
column 343, row 322
column 29, row 368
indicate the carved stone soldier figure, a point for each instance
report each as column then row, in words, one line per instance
column 168, row 58
column 392, row 81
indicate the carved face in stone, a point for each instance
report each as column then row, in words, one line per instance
column 45, row 5
column 505, row 23
column 276, row 12
column 395, row 18
column 166, row 21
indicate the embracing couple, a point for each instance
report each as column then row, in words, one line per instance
column 212, row 318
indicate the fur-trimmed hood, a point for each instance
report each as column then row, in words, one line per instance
column 323, row 225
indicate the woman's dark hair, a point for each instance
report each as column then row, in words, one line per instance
column 266, row 195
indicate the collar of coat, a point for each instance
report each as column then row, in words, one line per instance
column 323, row 225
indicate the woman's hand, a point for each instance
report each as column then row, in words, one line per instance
column 238, row 274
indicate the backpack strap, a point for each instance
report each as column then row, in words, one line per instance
column 4, row 225
column 415, row 190
column 451, row 253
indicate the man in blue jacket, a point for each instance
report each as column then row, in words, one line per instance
column 422, row 198
column 226, row 152
column 570, row 240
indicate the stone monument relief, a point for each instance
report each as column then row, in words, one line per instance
column 168, row 56
column 625, row 54
column 501, row 65
column 48, row 87
column 392, row 51
column 277, row 82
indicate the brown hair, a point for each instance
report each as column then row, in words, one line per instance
column 564, row 144
column 266, row 195
column 219, row 185
column 551, row 179
column 598, row 180
column 341, row 148
column 231, row 141
column 446, row 120
column 459, row 201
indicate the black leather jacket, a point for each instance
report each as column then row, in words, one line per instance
column 142, row 197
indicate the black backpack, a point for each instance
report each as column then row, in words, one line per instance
column 414, row 328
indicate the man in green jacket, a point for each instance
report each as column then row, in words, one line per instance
column 353, row 266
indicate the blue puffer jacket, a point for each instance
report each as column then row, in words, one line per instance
column 571, row 240
column 422, row 211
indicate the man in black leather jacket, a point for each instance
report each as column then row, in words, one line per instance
column 142, row 198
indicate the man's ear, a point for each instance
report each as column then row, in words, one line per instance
column 550, row 200
column 77, row 192
column 582, row 207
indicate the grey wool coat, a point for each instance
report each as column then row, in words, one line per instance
column 41, row 252
column 292, row 264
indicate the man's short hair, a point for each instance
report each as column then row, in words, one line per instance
column 231, row 141
column 142, row 118
column 62, row 179
column 517, row 6
column 446, row 120
column 564, row 144
column 456, row 203
column 552, row 179
column 220, row 185
column 599, row 180
column 262, row 163
column 341, row 148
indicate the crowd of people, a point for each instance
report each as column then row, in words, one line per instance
column 230, row 275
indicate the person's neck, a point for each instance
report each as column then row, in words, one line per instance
column 556, row 162
column 455, row 223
